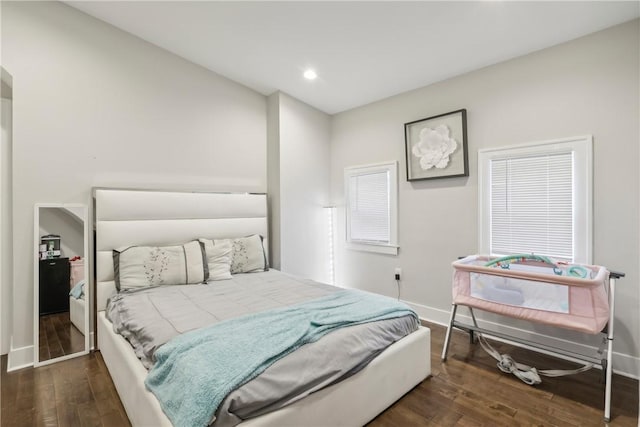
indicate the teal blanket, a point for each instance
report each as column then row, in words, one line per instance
column 194, row 372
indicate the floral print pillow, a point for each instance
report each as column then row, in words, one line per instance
column 143, row 266
column 248, row 254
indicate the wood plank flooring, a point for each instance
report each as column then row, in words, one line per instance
column 58, row 336
column 75, row 392
column 467, row 390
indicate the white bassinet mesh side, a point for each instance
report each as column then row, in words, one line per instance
column 520, row 293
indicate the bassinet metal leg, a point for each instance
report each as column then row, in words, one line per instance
column 607, row 390
column 447, row 338
column 472, row 335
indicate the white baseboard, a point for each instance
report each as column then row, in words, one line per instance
column 623, row 364
column 22, row 357
column 19, row 358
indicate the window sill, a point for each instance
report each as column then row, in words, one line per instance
column 371, row 247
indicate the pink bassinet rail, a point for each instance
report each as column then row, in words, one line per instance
column 568, row 296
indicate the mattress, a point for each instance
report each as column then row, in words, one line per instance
column 76, row 312
column 151, row 317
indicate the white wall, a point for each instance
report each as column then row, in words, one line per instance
column 95, row 106
column 302, row 162
column 586, row 86
column 66, row 225
column 6, row 230
column 273, row 177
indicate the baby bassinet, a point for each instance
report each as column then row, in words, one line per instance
column 541, row 290
column 536, row 289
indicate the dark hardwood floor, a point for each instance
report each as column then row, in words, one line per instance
column 58, row 336
column 75, row 392
column 468, row 390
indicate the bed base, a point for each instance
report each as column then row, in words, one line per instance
column 604, row 363
column 352, row 402
column 76, row 313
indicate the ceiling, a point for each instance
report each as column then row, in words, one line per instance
column 362, row 51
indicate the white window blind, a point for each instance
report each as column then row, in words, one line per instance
column 532, row 205
column 369, row 207
column 371, row 195
column 536, row 198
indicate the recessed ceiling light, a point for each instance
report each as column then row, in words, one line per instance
column 310, row 74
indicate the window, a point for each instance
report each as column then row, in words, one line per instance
column 536, row 198
column 371, row 194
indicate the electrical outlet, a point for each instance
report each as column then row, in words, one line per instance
column 398, row 273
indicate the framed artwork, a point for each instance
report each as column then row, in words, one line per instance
column 436, row 147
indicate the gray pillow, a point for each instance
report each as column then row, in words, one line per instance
column 143, row 266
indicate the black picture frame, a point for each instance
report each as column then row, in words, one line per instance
column 429, row 146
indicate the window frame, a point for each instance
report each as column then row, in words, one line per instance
column 390, row 248
column 582, row 149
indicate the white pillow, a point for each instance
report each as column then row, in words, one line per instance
column 218, row 258
column 248, row 254
column 142, row 266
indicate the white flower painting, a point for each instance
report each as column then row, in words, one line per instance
column 434, row 147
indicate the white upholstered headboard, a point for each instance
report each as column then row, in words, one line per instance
column 134, row 217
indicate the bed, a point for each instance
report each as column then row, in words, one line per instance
column 76, row 312
column 127, row 217
column 77, row 303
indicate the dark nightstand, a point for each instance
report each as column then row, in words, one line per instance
column 54, row 285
